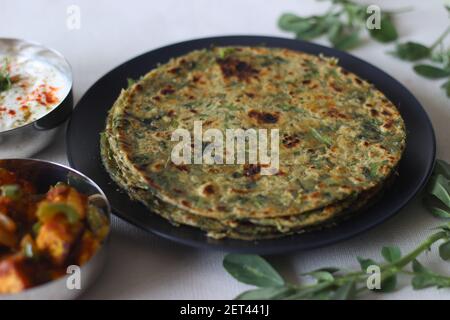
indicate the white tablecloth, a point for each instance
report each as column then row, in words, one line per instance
column 145, row 266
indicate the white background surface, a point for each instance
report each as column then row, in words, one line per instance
column 143, row 266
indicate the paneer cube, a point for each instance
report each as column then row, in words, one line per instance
column 56, row 238
column 14, row 274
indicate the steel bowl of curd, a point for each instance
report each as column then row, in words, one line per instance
column 35, row 96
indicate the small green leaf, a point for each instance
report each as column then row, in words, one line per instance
column 446, row 87
column 318, row 26
column 436, row 208
column 411, row 51
column 294, row 23
column 389, row 284
column 315, row 31
column 391, row 254
column 346, row 39
column 440, row 213
column 225, row 52
column 270, row 293
column 366, row 263
column 5, row 78
column 444, row 250
column 334, row 30
column 439, row 187
column 418, row 267
column 431, row 72
column 345, row 292
column 387, row 31
column 422, row 281
column 252, row 269
column 375, row 167
column 320, row 137
column 321, row 276
column 130, row 82
column 343, row 37
column 5, row 82
column 442, row 167
column 328, row 269
column 425, row 278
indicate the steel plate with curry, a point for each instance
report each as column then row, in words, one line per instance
column 340, row 141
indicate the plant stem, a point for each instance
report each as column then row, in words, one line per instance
column 400, row 10
column 360, row 276
column 439, row 40
column 425, row 245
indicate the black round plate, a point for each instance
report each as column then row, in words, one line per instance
column 88, row 120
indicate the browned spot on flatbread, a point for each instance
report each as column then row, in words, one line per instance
column 290, row 141
column 175, row 70
column 232, row 67
column 264, row 117
column 251, row 170
column 388, row 124
column 222, row 208
column 167, row 90
column 209, row 190
column 186, row 203
column 335, row 87
column 240, row 191
column 153, row 184
column 333, row 112
column 315, row 195
column 182, row 167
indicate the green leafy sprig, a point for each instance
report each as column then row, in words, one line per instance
column 437, row 195
column 5, row 77
column 438, row 54
column 336, row 283
column 343, row 24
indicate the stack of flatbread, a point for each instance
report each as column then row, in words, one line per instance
column 340, row 140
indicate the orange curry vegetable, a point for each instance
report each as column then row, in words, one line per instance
column 40, row 235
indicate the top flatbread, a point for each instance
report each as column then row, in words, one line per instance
column 339, row 136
